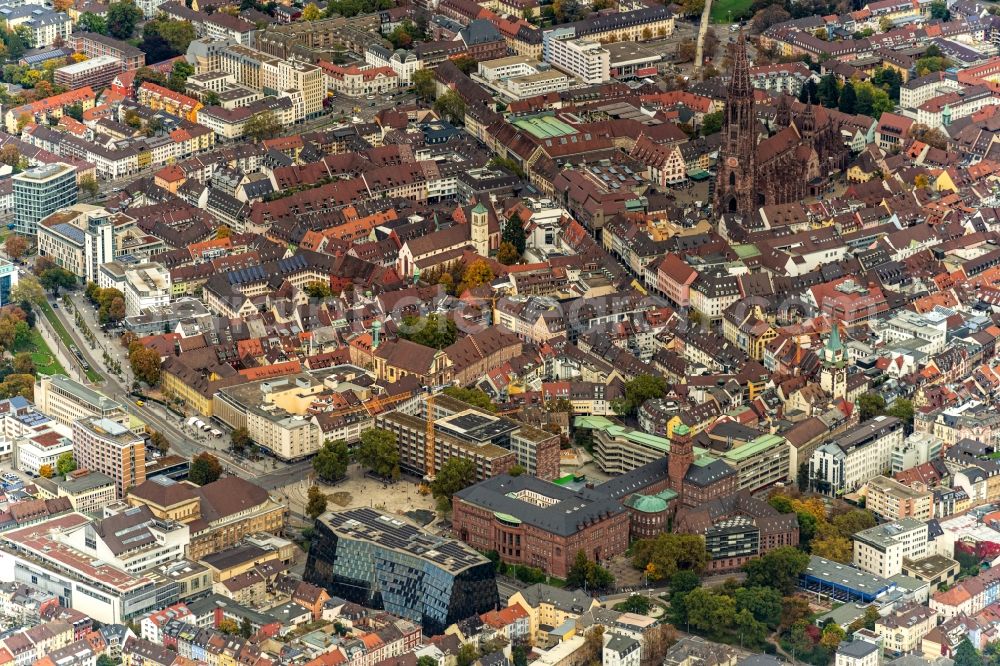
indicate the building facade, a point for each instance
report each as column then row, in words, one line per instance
column 103, row 445
column 41, row 191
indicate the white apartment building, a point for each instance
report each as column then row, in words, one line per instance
column 918, row 448
column 146, row 286
column 620, row 650
column 39, row 448
column 931, row 327
column 540, row 83
column 584, row 59
column 403, row 62
column 134, row 540
column 858, row 653
column 860, row 454
column 881, row 549
column 502, row 69
column 915, row 92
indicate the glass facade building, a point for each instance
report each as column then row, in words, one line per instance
column 384, row 562
column 41, row 191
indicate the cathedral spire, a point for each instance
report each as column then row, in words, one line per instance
column 735, row 170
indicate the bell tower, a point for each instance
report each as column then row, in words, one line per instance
column 734, row 186
column 680, row 458
column 480, row 234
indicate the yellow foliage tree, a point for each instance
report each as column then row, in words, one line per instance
column 45, row 471
column 311, row 12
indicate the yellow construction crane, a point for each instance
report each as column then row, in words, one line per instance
column 429, row 471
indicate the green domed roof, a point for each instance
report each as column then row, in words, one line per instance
column 647, row 503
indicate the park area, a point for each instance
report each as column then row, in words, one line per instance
column 727, row 11
column 43, row 358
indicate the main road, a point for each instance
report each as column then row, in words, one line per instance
column 162, row 420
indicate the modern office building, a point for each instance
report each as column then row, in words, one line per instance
column 8, row 280
column 88, row 492
column 103, row 445
column 843, row 582
column 79, row 238
column 494, row 443
column 882, row 549
column 67, row 400
column 586, row 59
column 41, row 191
column 860, row 454
column 380, row 561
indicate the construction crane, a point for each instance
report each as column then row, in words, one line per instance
column 429, row 471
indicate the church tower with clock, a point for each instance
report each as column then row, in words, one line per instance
column 735, row 169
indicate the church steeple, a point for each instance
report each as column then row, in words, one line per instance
column 734, row 189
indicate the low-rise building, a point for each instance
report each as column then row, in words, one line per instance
column 903, row 630
column 96, row 72
column 67, row 400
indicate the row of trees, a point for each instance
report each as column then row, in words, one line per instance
column 863, row 97
column 110, row 302
column 820, row 532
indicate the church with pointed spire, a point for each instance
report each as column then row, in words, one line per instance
column 794, row 160
column 833, row 373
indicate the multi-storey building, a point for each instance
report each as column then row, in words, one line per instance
column 103, row 445
column 283, row 76
column 495, row 443
column 41, row 191
column 862, row 453
column 916, row 449
column 157, row 98
column 586, row 59
column 891, row 500
column 903, row 630
column 93, row 44
column 146, row 286
column 79, row 238
column 46, row 27
column 380, row 561
column 96, row 72
column 67, row 400
column 881, row 549
column 540, row 524
column 221, row 513
column 88, row 492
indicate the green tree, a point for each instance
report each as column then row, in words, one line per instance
column 870, row 405
column 751, row 630
column 851, row 522
column 467, row 654
column 424, row 84
column 848, row 99
column 518, row 655
column 159, row 442
column 23, row 364
column 762, row 602
column 902, row 409
column 379, row 452
column 178, row 75
column 122, row 19
column 205, row 468
column 246, row 629
column 90, row 22
column 316, row 504
column 451, row 107
column 466, row 64
column 636, row 603
column 828, row 91
column 940, row 11
column 318, row 289
column 711, row 123
column 105, row 660
column 89, row 186
column 833, row 547
column 513, row 233
column 427, row 661
column 577, row 575
column 435, row 330
column 872, row 101
column 662, row 557
column 65, row 464
column 455, row 474
column 709, row 611
column 239, row 439
column 638, row 391
column 778, row 569
column 331, row 460
column 473, row 396
column 262, row 125
column 57, row 278
column 516, row 470
column 967, row 655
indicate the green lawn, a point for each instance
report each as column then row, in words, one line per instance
column 727, row 11
column 64, row 336
column 45, row 361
